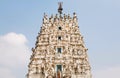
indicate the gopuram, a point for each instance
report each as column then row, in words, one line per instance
column 59, row 50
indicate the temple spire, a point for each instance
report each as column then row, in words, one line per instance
column 59, row 50
column 60, row 7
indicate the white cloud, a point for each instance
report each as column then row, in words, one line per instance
column 111, row 72
column 14, row 39
column 14, row 53
column 6, row 73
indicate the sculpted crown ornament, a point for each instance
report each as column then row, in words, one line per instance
column 60, row 7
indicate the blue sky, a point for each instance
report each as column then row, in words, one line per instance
column 99, row 23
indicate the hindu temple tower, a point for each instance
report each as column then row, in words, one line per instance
column 59, row 50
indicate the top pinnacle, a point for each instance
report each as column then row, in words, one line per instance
column 60, row 7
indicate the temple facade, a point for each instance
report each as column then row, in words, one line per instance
column 59, row 50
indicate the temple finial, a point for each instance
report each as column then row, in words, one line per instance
column 60, row 7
